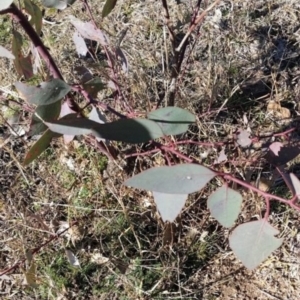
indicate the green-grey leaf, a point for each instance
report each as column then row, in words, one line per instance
column 93, row 86
column 178, row 179
column 44, row 112
column 48, row 92
column 23, row 64
column 173, row 120
column 58, row 4
column 225, row 205
column 253, row 242
column 169, row 205
column 39, row 146
column 5, row 4
column 108, row 7
column 36, row 15
column 124, row 130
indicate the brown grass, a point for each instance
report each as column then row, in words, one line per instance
column 245, row 56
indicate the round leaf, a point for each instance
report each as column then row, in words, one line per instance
column 108, row 7
column 89, row 31
column 178, row 179
column 253, row 242
column 173, row 120
column 225, row 205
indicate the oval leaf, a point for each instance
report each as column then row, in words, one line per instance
column 22, row 64
column 36, row 15
column 253, row 242
column 59, row 4
column 296, row 184
column 73, row 260
column 89, row 31
column 124, row 130
column 225, row 205
column 30, row 275
column 48, row 92
column 108, row 7
column 5, row 4
column 39, row 147
column 178, row 179
column 80, row 44
column 122, row 58
column 93, row 86
column 169, row 205
column 173, row 120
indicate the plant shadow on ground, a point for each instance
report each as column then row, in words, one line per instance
column 275, row 67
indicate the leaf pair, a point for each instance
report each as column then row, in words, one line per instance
column 251, row 242
column 171, row 185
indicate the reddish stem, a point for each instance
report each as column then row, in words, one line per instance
column 43, row 51
column 37, row 249
column 267, row 213
column 255, row 189
column 142, row 154
column 209, row 144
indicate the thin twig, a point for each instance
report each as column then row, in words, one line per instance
column 196, row 23
column 39, row 45
column 37, row 249
column 168, row 20
column 109, row 59
column 37, row 42
column 90, row 100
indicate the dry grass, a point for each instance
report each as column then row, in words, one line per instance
column 246, row 56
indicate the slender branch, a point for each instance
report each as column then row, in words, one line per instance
column 255, row 189
column 267, row 213
column 109, row 59
column 175, row 152
column 196, row 10
column 37, row 249
column 90, row 100
column 43, row 51
column 212, row 144
column 168, row 20
column 196, row 23
column 143, row 153
column 41, row 48
column 5, row 11
column 286, row 179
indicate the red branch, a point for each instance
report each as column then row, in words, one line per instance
column 37, row 249
column 43, row 51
